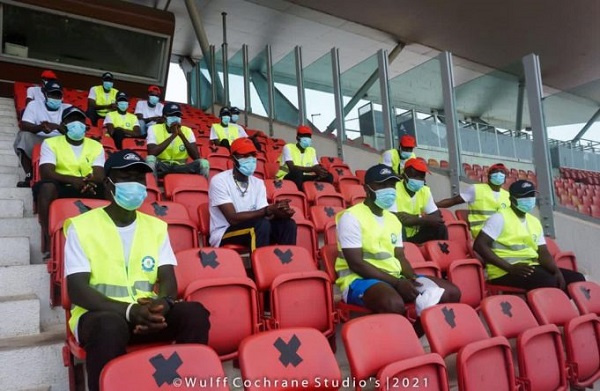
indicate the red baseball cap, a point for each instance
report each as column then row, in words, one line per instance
column 408, row 141
column 303, row 129
column 242, row 146
column 498, row 166
column 154, row 90
column 48, row 74
column 417, row 164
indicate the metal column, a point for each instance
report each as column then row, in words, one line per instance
column 300, row 86
column 382, row 61
column 520, row 98
column 541, row 155
column 338, row 100
column 225, row 62
column 270, row 90
column 214, row 77
column 586, row 127
column 246, row 70
column 454, row 148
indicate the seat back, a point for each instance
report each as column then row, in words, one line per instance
column 204, row 222
column 449, row 327
column 271, row 261
column 322, row 193
column 444, row 252
column 486, row 365
column 467, row 275
column 447, row 215
column 412, row 253
column 321, row 215
column 182, row 230
column 458, row 231
column 331, row 233
column 507, row 315
column 306, row 236
column 582, row 341
column 289, row 354
column 154, row 193
column 327, row 161
column 329, row 254
column 367, row 341
column 353, row 193
column 462, row 215
column 541, row 358
column 551, row 306
column 586, row 295
column 189, row 190
column 552, row 246
column 156, row 368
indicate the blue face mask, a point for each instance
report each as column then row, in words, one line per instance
column 247, row 165
column 384, row 198
column 234, row 118
column 53, row 104
column 129, row 195
column 497, row 178
column 173, row 120
column 526, row 205
column 225, row 119
column 122, row 106
column 405, row 155
column 305, row 142
column 153, row 100
column 75, row 130
column 107, row 85
column 414, row 185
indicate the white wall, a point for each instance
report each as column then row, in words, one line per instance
column 581, row 237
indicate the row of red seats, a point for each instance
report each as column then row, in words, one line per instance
column 584, row 176
column 581, row 197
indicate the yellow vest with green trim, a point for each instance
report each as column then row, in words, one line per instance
column 412, row 205
column 66, row 161
column 102, row 100
column 485, row 205
column 175, row 152
column 109, row 273
column 306, row 159
column 231, row 133
column 516, row 243
column 378, row 244
column 126, row 123
column 397, row 163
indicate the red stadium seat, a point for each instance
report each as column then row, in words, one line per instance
column 327, row 161
column 458, row 232
column 564, row 259
column 291, row 354
column 154, row 193
column 306, row 236
column 322, row 193
column 35, row 164
column 353, row 193
column 189, row 190
column 367, row 341
column 271, row 170
column 447, row 215
column 444, row 252
column 539, row 348
column 331, row 233
column 216, row 278
column 321, row 215
column 193, row 361
column 284, row 189
column 183, row 233
column 586, row 295
column 462, row 215
column 467, row 275
column 582, row 333
column 136, row 144
column 483, row 363
column 360, row 174
column 417, row 261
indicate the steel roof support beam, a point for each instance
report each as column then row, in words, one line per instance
column 454, row 149
column 586, row 127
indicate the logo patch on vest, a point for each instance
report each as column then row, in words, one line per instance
column 394, row 238
column 503, row 205
column 148, row 263
column 534, row 237
column 182, row 148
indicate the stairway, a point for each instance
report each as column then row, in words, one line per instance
column 31, row 333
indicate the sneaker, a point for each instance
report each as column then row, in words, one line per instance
column 26, row 182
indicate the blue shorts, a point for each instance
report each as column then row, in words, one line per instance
column 357, row 290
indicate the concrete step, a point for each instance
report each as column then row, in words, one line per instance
column 15, row 252
column 8, row 180
column 24, row 227
column 20, row 315
column 10, row 170
column 11, row 209
column 16, row 193
column 31, row 279
column 6, row 144
column 9, row 161
column 32, row 362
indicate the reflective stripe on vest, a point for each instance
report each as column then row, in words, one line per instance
column 103, row 100
column 412, row 205
column 397, row 163
column 485, row 205
column 109, row 274
column 517, row 243
column 126, row 123
column 378, row 244
column 306, row 159
column 231, row 133
column 66, row 161
column 176, row 151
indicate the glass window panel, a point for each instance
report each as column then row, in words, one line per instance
column 259, row 95
column 468, row 140
column 318, row 90
column 286, row 90
column 236, row 80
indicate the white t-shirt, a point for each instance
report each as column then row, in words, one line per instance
column 387, row 158
column 108, row 119
column 151, row 137
column 349, row 232
column 36, row 112
column 146, row 111
column 35, row 93
column 47, row 155
column 92, row 94
column 224, row 190
column 430, row 207
column 213, row 133
column 287, row 156
column 469, row 194
column 494, row 225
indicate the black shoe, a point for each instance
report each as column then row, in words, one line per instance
column 26, row 182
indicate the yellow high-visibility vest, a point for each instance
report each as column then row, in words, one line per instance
column 485, row 205
column 127, row 123
column 103, row 100
column 413, row 206
column 300, row 159
column 176, row 151
column 378, row 244
column 109, row 273
column 231, row 133
column 66, row 161
column 397, row 162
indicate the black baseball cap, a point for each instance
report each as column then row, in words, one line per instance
column 122, row 96
column 379, row 173
column 224, row 111
column 107, row 76
column 73, row 111
column 53, row 86
column 522, row 188
column 125, row 159
column 234, row 110
column 171, row 108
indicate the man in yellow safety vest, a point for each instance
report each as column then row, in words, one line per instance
column 395, row 158
column 225, row 132
column 120, row 124
column 119, row 268
column 513, row 247
column 102, row 99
